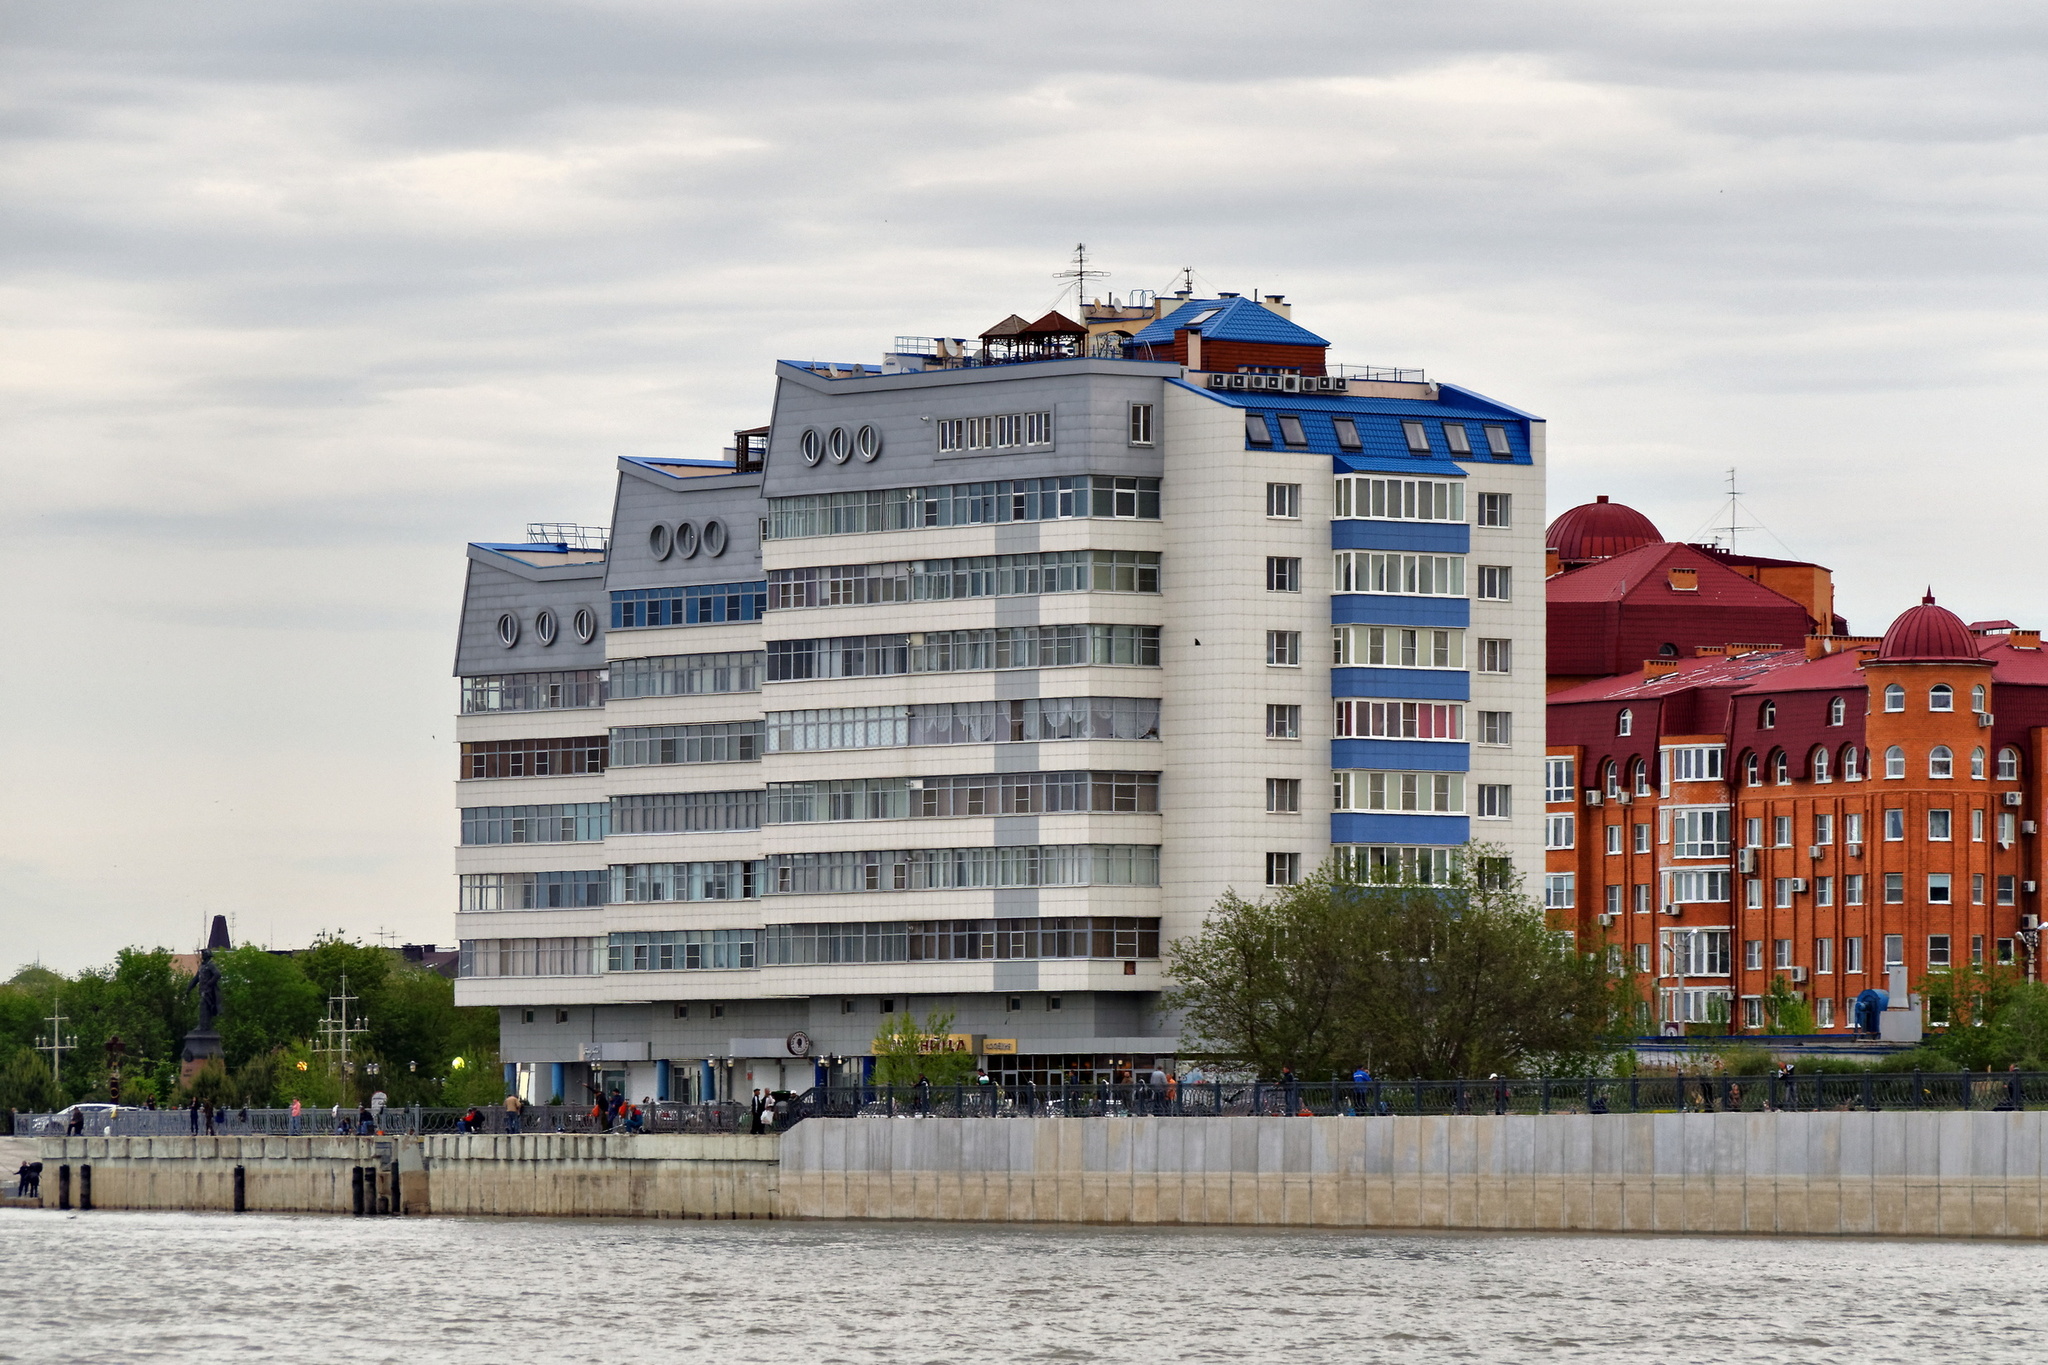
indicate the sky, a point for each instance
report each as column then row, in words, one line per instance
column 296, row 299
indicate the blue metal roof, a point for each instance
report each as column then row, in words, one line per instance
column 1228, row 320
column 1384, row 445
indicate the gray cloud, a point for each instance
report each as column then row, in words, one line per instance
column 303, row 296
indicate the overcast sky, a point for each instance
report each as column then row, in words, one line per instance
column 299, row 298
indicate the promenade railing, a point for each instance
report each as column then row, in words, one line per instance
column 100, row 1120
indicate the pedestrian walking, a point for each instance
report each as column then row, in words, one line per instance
column 296, row 1109
column 1361, row 1090
column 764, row 1122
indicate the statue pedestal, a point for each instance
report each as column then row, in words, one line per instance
column 201, row 1047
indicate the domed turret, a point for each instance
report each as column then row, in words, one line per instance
column 1600, row 530
column 1928, row 634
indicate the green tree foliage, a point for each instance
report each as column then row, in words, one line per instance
column 901, row 1056
column 1784, row 1011
column 266, row 1001
column 1431, row 981
column 26, row 1084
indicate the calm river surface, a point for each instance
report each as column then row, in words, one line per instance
column 146, row 1286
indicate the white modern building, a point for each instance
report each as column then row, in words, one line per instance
column 972, row 680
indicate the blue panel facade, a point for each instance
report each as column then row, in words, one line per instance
column 1384, row 609
column 1417, row 537
column 1355, row 827
column 1414, row 755
column 1409, row 684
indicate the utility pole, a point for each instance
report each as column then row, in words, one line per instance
column 56, row 1042
column 338, row 1032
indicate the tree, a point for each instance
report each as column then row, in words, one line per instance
column 903, row 1051
column 1434, row 981
column 1784, row 1011
column 266, row 1003
column 26, row 1084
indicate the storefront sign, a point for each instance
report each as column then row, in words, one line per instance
column 999, row 1047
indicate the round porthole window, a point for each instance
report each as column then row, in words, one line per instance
column 813, row 446
column 508, row 630
column 659, row 542
column 686, row 540
column 545, row 627
column 584, row 623
column 714, row 538
column 867, row 443
column 839, row 445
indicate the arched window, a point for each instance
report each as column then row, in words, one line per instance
column 2008, row 765
column 1941, row 762
column 1977, row 698
column 1668, row 650
column 1625, row 723
column 1895, row 698
column 1767, row 715
column 1752, row 771
column 1837, row 710
column 1895, row 762
column 1851, row 770
column 1941, row 697
column 1819, row 762
column 1977, row 763
column 1781, row 767
column 1642, row 772
column 1610, row 778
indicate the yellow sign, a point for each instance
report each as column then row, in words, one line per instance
column 952, row 1042
column 999, row 1047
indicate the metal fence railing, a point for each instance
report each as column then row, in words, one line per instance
column 2007, row 1090
column 104, row 1120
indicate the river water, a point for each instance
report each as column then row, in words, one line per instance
column 129, row 1287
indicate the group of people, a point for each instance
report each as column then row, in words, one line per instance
column 28, row 1181
column 765, row 1110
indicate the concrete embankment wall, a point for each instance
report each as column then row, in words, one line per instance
column 652, row 1176
column 1937, row 1174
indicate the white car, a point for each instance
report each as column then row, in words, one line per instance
column 96, row 1120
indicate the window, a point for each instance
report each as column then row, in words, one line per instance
column 1852, row 889
column 1497, row 443
column 1978, row 696
column 1699, row 763
column 1781, row 892
column 1752, row 771
column 1937, row 950
column 1753, row 832
column 1400, row 720
column 1283, row 574
column 2008, row 765
column 1852, row 827
column 1395, row 647
column 1642, row 777
column 1457, row 438
column 1497, row 728
column 1497, row 656
column 1079, row 936
column 1559, row 831
column 683, row 950
column 2005, row 889
column 964, row 794
column 1283, row 648
column 1894, row 888
column 1494, row 802
column 1412, row 575
column 1141, row 424
column 1283, row 869
column 1767, row 716
column 1496, row 509
column 1427, row 792
column 533, row 691
column 1939, row 823
column 687, row 675
column 1417, row 436
column 533, row 757
column 1029, row 721
column 1894, row 762
column 634, row 746
column 1941, row 697
column 1977, row 763
column 1752, row 955
column 1283, row 795
column 488, row 891
column 530, row 957
column 706, row 604
column 685, row 812
column 1290, row 430
column 1703, row 952
column 1347, row 433
column 1824, row 891
column 1852, row 955
column 1895, row 698
column 1255, row 429
column 1643, row 837
column 1941, row 761
column 940, row 580
column 1699, row 833
column 1283, row 722
column 1431, row 866
column 2007, row 824
column 1614, row 838
column 1781, row 953
column 1558, row 780
column 1781, row 768
column 1838, row 710
column 1976, row 950
column 582, row 822
column 964, row 504
column 954, row 651
column 930, row 869
column 1823, row 957
column 1894, row 825
column 1699, row 886
column 1781, row 831
column 1625, row 723
column 1642, row 896
column 1013, row 1004
column 1642, row 957
column 1938, row 888
column 1613, row 904
column 2004, row 948
column 1823, row 829
column 1496, row 583
column 1851, row 770
column 1283, row 500
column 1976, row 888
column 1824, row 1012
column 1559, row 890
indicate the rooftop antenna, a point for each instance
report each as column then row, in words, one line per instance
column 1187, row 279
column 1733, row 514
column 1080, row 275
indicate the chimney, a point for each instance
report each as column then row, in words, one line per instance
column 1654, row 669
column 1278, row 303
column 1194, row 336
column 2024, row 639
column 1685, row 580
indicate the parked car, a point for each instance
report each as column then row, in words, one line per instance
column 97, row 1120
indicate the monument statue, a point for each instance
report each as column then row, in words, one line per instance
column 207, row 982
column 202, row 1044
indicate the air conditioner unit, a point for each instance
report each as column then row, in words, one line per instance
column 2026, row 826
column 2027, row 887
column 1606, row 920
column 1592, row 796
column 1855, row 850
column 1983, row 720
column 1799, row 973
column 1799, row 883
column 1814, row 850
column 1667, row 909
column 1622, row 798
column 2013, row 799
column 1745, row 860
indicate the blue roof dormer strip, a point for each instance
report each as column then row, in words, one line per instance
column 1383, row 443
column 1228, row 320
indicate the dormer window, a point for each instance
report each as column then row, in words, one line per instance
column 1767, row 716
column 1290, row 430
column 1838, row 710
column 1457, row 438
column 1626, row 723
column 1418, row 438
column 1255, row 429
column 1497, row 443
column 1347, row 433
